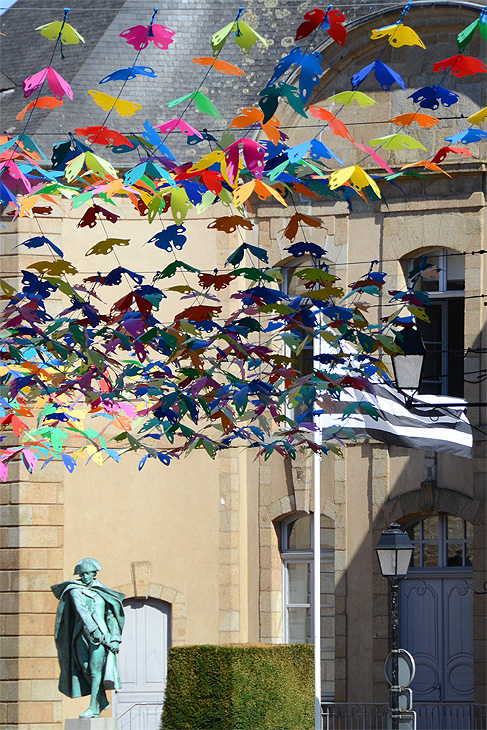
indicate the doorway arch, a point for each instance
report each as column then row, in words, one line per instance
column 436, row 604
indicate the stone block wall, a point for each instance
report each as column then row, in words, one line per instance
column 31, row 560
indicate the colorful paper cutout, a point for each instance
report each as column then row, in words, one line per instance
column 461, row 66
column 43, row 102
column 170, row 238
column 56, row 83
column 222, row 66
column 173, row 124
column 357, row 177
column 385, row 75
column 126, row 74
column 430, row 97
column 467, row 137
column 245, row 37
column 423, row 120
column 397, row 142
column 347, row 97
column 203, row 103
column 105, row 247
column 331, row 21
column 478, row 117
column 122, row 107
column 62, row 30
column 398, row 35
column 103, row 135
column 336, row 126
column 310, row 64
column 139, row 36
column 262, row 190
column 270, row 99
column 466, row 35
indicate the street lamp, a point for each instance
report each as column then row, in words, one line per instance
column 394, row 551
column 408, row 368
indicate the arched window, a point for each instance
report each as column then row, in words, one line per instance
column 296, row 540
column 443, row 335
column 442, row 541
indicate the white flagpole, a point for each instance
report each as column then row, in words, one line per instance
column 316, row 599
column 316, row 578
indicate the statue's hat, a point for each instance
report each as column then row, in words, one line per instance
column 87, row 564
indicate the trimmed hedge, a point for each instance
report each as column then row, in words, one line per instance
column 240, row 687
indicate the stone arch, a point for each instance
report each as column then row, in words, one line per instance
column 141, row 586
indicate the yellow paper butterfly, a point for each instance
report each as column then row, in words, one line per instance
column 346, row 98
column 69, row 36
column 399, row 35
column 357, row 177
column 479, row 116
column 121, row 106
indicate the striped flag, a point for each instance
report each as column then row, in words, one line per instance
column 384, row 416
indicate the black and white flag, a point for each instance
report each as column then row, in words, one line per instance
column 389, row 416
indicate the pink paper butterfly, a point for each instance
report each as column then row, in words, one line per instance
column 56, row 83
column 183, row 126
column 140, row 35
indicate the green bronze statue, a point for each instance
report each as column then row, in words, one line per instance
column 89, row 623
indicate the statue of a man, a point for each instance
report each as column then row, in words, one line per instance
column 89, row 623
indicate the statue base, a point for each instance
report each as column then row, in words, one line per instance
column 91, row 723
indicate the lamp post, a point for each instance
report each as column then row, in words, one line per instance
column 394, row 551
column 408, row 367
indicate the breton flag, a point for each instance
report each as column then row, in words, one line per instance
column 386, row 415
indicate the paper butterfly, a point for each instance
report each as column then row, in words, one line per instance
column 43, row 102
column 222, row 66
column 347, row 97
column 461, row 65
column 103, row 135
column 56, row 83
column 309, row 76
column 169, row 237
column 478, row 117
column 430, row 97
column 336, row 126
column 270, row 99
column 423, row 120
column 125, row 74
column 467, row 137
column 38, row 241
column 331, row 21
column 69, row 35
column 139, row 36
column 358, row 179
column 397, row 142
column 301, row 249
column 122, row 107
column 107, row 246
column 398, row 35
column 245, row 36
column 173, row 124
column 385, row 75
column 465, row 36
column 203, row 103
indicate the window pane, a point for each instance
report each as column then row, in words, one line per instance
column 299, row 624
column 455, row 555
column 430, row 528
column 299, row 575
column 430, row 556
column 433, row 337
column 455, row 273
column 455, row 528
column 455, row 309
column 414, row 531
column 299, row 536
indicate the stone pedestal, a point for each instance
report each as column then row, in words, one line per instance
column 91, row 723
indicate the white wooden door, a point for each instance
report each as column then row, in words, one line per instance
column 142, row 664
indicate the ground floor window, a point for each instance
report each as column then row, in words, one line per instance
column 297, row 567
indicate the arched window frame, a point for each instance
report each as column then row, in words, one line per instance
column 446, row 314
column 443, row 544
column 304, row 556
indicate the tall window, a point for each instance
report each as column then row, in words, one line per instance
column 443, row 541
column 443, row 335
column 297, row 558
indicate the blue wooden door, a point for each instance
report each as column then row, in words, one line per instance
column 436, row 620
column 142, row 665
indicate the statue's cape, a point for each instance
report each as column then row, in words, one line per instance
column 69, row 626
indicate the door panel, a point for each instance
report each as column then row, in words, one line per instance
column 420, row 602
column 458, row 611
column 436, row 623
column 142, row 664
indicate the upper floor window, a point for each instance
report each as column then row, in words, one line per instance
column 442, row 541
column 296, row 541
column 443, row 335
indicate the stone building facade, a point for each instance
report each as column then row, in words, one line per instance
column 211, row 543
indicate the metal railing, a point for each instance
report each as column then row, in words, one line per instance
column 141, row 716
column 430, row 716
